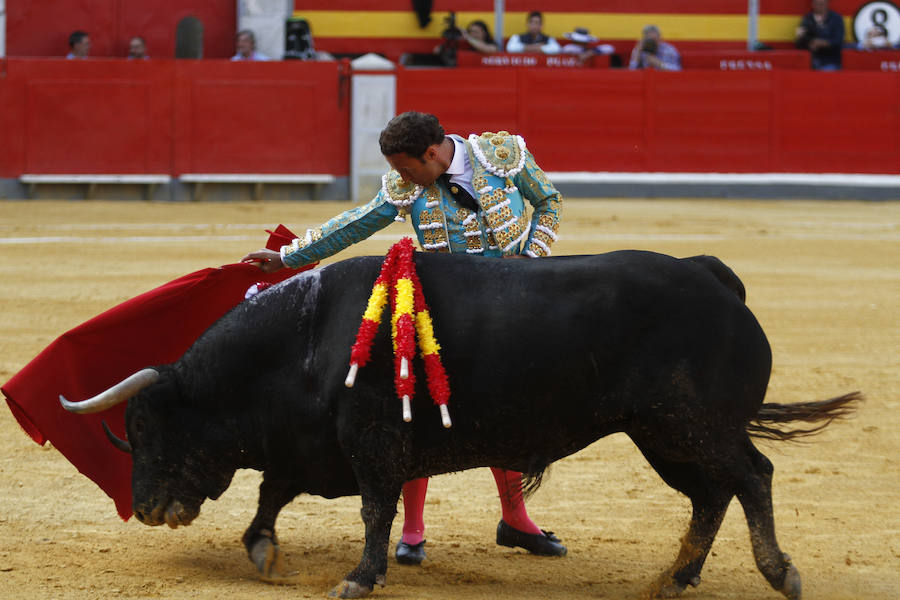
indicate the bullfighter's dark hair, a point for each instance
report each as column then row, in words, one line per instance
column 411, row 133
column 76, row 37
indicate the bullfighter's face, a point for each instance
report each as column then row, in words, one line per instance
column 421, row 171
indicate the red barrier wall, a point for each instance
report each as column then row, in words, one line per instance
column 117, row 116
column 99, row 116
column 692, row 121
column 744, row 60
column 261, row 117
column 171, row 117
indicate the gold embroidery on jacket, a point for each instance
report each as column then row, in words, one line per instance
column 431, row 226
column 471, row 230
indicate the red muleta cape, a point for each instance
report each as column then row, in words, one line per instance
column 154, row 328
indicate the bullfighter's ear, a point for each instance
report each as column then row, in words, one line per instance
column 432, row 152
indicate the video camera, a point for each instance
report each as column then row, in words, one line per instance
column 650, row 46
column 451, row 31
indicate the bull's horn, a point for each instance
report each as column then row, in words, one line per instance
column 120, row 392
column 123, row 445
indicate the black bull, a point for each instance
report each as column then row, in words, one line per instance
column 544, row 357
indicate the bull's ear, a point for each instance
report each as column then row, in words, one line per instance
column 123, row 445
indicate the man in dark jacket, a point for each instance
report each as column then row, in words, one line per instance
column 822, row 32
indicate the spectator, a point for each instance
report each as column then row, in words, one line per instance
column 533, row 40
column 479, row 38
column 245, row 43
column 79, row 45
column 578, row 41
column 137, row 48
column 582, row 43
column 822, row 33
column 875, row 38
column 652, row 53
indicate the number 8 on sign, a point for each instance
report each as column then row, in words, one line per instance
column 885, row 14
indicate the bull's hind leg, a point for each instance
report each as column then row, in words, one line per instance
column 755, row 495
column 260, row 540
column 709, row 500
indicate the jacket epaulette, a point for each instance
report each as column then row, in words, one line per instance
column 399, row 192
column 501, row 153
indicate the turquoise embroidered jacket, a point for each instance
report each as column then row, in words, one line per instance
column 504, row 175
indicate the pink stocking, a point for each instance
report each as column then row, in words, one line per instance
column 413, row 509
column 509, row 485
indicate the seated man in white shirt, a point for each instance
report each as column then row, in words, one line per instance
column 533, row 40
column 245, row 43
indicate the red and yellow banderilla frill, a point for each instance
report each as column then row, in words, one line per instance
column 409, row 319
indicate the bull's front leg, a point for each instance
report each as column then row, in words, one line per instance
column 260, row 539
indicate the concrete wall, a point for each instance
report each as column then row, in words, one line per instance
column 266, row 19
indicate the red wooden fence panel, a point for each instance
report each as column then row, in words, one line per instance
column 97, row 116
column 113, row 116
column 261, row 117
column 837, row 122
column 709, row 122
column 592, row 122
column 744, row 60
column 874, row 60
column 466, row 100
column 109, row 116
column 12, row 123
column 690, row 121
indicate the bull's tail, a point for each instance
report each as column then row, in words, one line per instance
column 531, row 481
column 819, row 414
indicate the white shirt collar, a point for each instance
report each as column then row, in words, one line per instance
column 458, row 164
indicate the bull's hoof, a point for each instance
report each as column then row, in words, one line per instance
column 793, row 586
column 267, row 558
column 667, row 587
column 349, row 589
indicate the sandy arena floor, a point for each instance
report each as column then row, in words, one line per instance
column 823, row 278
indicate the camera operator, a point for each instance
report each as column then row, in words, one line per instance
column 652, row 53
column 451, row 36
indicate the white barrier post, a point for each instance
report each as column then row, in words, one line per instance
column 2, row 28
column 266, row 19
column 374, row 101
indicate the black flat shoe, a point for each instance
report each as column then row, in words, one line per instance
column 408, row 554
column 541, row 544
